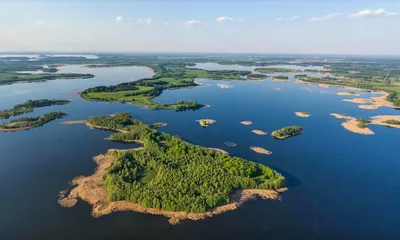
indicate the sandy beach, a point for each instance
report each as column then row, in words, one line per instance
column 259, row 132
column 260, row 150
column 247, row 123
column 302, row 114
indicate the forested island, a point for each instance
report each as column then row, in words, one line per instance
column 30, row 122
column 287, row 132
column 142, row 92
column 280, row 78
column 256, row 76
column 168, row 176
column 29, row 106
column 8, row 78
column 274, row 70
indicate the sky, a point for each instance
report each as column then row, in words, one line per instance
column 220, row 26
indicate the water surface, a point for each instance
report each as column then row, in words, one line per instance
column 342, row 185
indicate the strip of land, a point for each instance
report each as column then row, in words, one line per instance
column 302, row 114
column 260, row 150
column 21, row 124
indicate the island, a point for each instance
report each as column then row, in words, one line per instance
column 205, row 122
column 168, row 76
column 230, row 144
column 29, row 106
column 9, row 78
column 287, row 132
column 259, row 132
column 302, row 114
column 360, row 125
column 168, row 176
column 30, row 122
column 247, row 123
column 273, row 70
column 260, row 150
column 280, row 78
column 348, row 94
column 256, row 76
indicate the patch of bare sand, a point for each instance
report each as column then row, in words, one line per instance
column 375, row 102
column 260, row 150
column 219, row 150
column 302, row 114
column 259, row 132
column 247, row 123
column 368, row 107
column 93, row 190
column 323, row 85
column 379, row 120
column 347, row 94
column 352, row 124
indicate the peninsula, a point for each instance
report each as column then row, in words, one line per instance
column 168, row 176
column 30, row 122
column 287, row 132
column 170, row 76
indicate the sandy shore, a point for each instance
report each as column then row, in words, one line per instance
column 376, row 102
column 368, row 107
column 279, row 80
column 260, row 150
column 14, row 129
column 379, row 120
column 323, row 85
column 219, row 150
column 205, row 122
column 347, row 94
column 351, row 124
column 302, row 114
column 259, row 132
column 93, row 190
column 247, row 123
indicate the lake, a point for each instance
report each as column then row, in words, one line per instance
column 341, row 185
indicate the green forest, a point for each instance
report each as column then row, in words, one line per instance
column 174, row 175
column 29, row 106
column 273, row 70
column 31, row 122
column 391, row 121
column 142, row 92
column 287, row 132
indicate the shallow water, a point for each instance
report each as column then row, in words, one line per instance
column 342, row 185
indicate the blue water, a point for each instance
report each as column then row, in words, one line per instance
column 341, row 185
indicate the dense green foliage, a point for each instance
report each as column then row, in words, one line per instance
column 281, row 77
column 142, row 92
column 256, row 76
column 273, row 70
column 31, row 122
column 287, row 132
column 362, row 122
column 174, row 175
column 392, row 121
column 7, row 78
column 29, row 106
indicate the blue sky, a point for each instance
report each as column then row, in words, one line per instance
column 306, row 26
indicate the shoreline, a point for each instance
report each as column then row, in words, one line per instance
column 351, row 124
column 92, row 190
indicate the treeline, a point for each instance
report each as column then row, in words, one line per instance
column 31, row 122
column 6, row 78
column 174, row 175
column 29, row 106
column 287, row 132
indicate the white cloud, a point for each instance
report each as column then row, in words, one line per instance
column 224, row 19
column 120, row 19
column 372, row 13
column 326, row 17
column 147, row 21
column 287, row 19
column 46, row 23
column 192, row 23
column 40, row 22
